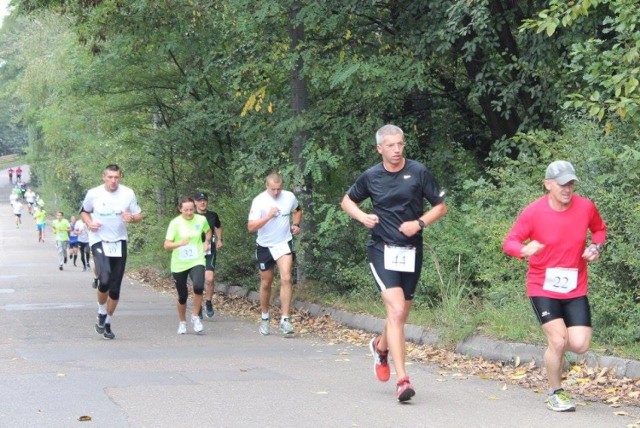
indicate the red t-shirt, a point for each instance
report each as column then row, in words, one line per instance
column 563, row 234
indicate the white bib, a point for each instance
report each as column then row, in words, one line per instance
column 112, row 249
column 561, row 280
column 399, row 259
column 187, row 252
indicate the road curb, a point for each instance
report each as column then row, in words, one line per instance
column 472, row 346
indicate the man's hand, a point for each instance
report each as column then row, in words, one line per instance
column 531, row 248
column 370, row 220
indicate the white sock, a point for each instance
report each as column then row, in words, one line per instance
column 102, row 309
column 284, row 317
column 265, row 315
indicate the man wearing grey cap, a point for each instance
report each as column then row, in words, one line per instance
column 551, row 233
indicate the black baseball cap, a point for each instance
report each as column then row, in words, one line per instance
column 200, row 195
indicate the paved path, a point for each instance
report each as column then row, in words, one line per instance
column 54, row 368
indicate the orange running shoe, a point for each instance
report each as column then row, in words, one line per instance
column 404, row 389
column 380, row 361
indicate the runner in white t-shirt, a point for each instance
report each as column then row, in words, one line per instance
column 82, row 232
column 106, row 210
column 275, row 216
column 17, row 211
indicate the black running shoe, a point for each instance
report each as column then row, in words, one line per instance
column 209, row 306
column 100, row 325
column 108, row 334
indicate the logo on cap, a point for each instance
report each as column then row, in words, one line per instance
column 201, row 195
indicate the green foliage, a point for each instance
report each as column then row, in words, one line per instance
column 606, row 58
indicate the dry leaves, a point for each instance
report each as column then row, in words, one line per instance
column 590, row 383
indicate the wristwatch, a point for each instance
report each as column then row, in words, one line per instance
column 421, row 224
column 599, row 248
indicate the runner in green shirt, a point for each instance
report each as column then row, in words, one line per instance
column 40, row 216
column 61, row 228
column 184, row 240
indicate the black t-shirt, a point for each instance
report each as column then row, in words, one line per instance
column 397, row 197
column 214, row 222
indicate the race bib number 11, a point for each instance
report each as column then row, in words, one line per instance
column 399, row 259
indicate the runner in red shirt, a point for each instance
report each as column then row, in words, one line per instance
column 551, row 233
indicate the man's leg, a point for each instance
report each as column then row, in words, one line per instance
column 557, row 341
column 60, row 250
column 266, row 280
column 285, row 264
column 209, row 279
column 392, row 337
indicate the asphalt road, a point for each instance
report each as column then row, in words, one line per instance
column 54, row 368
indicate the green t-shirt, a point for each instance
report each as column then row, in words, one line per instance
column 61, row 229
column 40, row 217
column 190, row 255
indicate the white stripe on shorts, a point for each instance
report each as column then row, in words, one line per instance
column 377, row 278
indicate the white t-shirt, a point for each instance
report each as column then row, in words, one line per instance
column 30, row 196
column 82, row 231
column 17, row 207
column 107, row 208
column 278, row 229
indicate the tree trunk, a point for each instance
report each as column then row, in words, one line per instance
column 299, row 102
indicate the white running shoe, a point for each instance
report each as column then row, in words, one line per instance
column 182, row 327
column 197, row 325
column 264, row 327
column 286, row 329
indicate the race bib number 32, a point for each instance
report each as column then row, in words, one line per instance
column 188, row 252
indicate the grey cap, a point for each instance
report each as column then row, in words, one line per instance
column 561, row 171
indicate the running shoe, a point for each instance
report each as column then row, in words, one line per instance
column 286, row 328
column 182, row 327
column 380, row 361
column 100, row 323
column 108, row 334
column 264, row 327
column 60, row 267
column 404, row 390
column 209, row 306
column 560, row 401
column 197, row 325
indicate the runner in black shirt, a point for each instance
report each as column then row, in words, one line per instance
column 202, row 204
column 397, row 188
